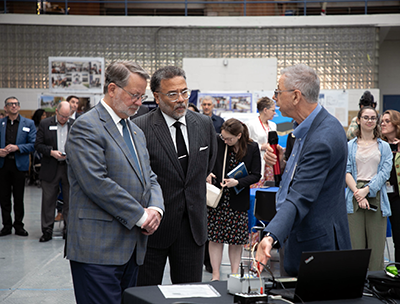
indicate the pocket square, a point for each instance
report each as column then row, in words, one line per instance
column 203, row 148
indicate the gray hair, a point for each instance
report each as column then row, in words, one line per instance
column 119, row 72
column 11, row 97
column 208, row 97
column 302, row 77
column 167, row 72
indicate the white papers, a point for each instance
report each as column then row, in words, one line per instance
column 189, row 291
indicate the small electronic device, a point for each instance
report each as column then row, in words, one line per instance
column 392, row 271
column 64, row 154
column 373, row 208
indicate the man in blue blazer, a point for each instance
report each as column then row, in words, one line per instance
column 17, row 139
column 115, row 199
column 311, row 208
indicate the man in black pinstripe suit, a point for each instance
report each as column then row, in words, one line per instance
column 183, row 230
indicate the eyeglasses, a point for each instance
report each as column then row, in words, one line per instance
column 276, row 92
column 386, row 121
column 174, row 96
column 65, row 117
column 228, row 139
column 367, row 118
column 134, row 97
column 11, row 104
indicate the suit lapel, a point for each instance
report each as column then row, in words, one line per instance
column 193, row 137
column 3, row 133
column 112, row 129
column 163, row 135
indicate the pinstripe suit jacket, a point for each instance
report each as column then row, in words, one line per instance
column 180, row 192
column 107, row 196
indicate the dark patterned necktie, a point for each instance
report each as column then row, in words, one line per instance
column 181, row 147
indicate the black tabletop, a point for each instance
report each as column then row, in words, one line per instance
column 153, row 295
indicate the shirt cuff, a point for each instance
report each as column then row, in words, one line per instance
column 141, row 221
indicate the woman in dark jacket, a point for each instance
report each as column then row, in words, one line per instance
column 227, row 223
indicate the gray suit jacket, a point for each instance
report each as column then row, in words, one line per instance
column 107, row 196
column 180, row 193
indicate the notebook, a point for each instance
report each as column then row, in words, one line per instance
column 329, row 275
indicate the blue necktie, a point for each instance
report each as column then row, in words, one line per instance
column 128, row 141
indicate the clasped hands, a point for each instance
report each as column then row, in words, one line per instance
column 152, row 222
column 360, row 196
column 8, row 149
column 227, row 182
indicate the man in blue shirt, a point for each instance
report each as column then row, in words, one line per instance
column 311, row 209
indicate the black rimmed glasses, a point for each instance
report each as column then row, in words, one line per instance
column 174, row 96
column 134, row 97
column 12, row 104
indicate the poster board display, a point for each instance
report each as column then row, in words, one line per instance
column 229, row 102
column 76, row 74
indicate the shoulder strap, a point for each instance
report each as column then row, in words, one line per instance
column 223, row 168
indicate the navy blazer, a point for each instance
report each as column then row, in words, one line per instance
column 25, row 141
column 252, row 160
column 313, row 216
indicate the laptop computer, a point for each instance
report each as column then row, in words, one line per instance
column 329, row 275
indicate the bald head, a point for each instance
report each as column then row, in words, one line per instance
column 62, row 112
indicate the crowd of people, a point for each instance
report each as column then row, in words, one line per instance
column 134, row 187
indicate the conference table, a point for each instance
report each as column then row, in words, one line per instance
column 153, row 295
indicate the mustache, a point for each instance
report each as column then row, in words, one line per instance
column 179, row 105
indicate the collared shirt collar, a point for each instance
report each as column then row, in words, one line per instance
column 110, row 111
column 301, row 130
column 16, row 119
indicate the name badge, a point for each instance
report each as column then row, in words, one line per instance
column 25, row 129
column 389, row 188
column 53, row 128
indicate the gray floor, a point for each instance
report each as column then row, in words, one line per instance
column 33, row 272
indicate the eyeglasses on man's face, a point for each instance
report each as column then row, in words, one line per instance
column 62, row 116
column 174, row 96
column 134, row 97
column 12, row 104
column 228, row 139
column 367, row 118
column 276, row 92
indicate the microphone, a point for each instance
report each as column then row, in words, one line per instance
column 273, row 142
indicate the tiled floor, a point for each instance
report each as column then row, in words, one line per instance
column 36, row 273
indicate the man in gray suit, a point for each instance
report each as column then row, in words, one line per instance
column 182, row 147
column 115, row 199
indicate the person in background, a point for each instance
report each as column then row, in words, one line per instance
column 116, row 201
column 192, row 107
column 207, row 105
column 74, row 103
column 367, row 99
column 311, row 207
column 36, row 157
column 228, row 222
column 17, row 139
column 368, row 168
column 38, row 116
column 50, row 142
column 2, row 115
column 258, row 131
column 390, row 125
